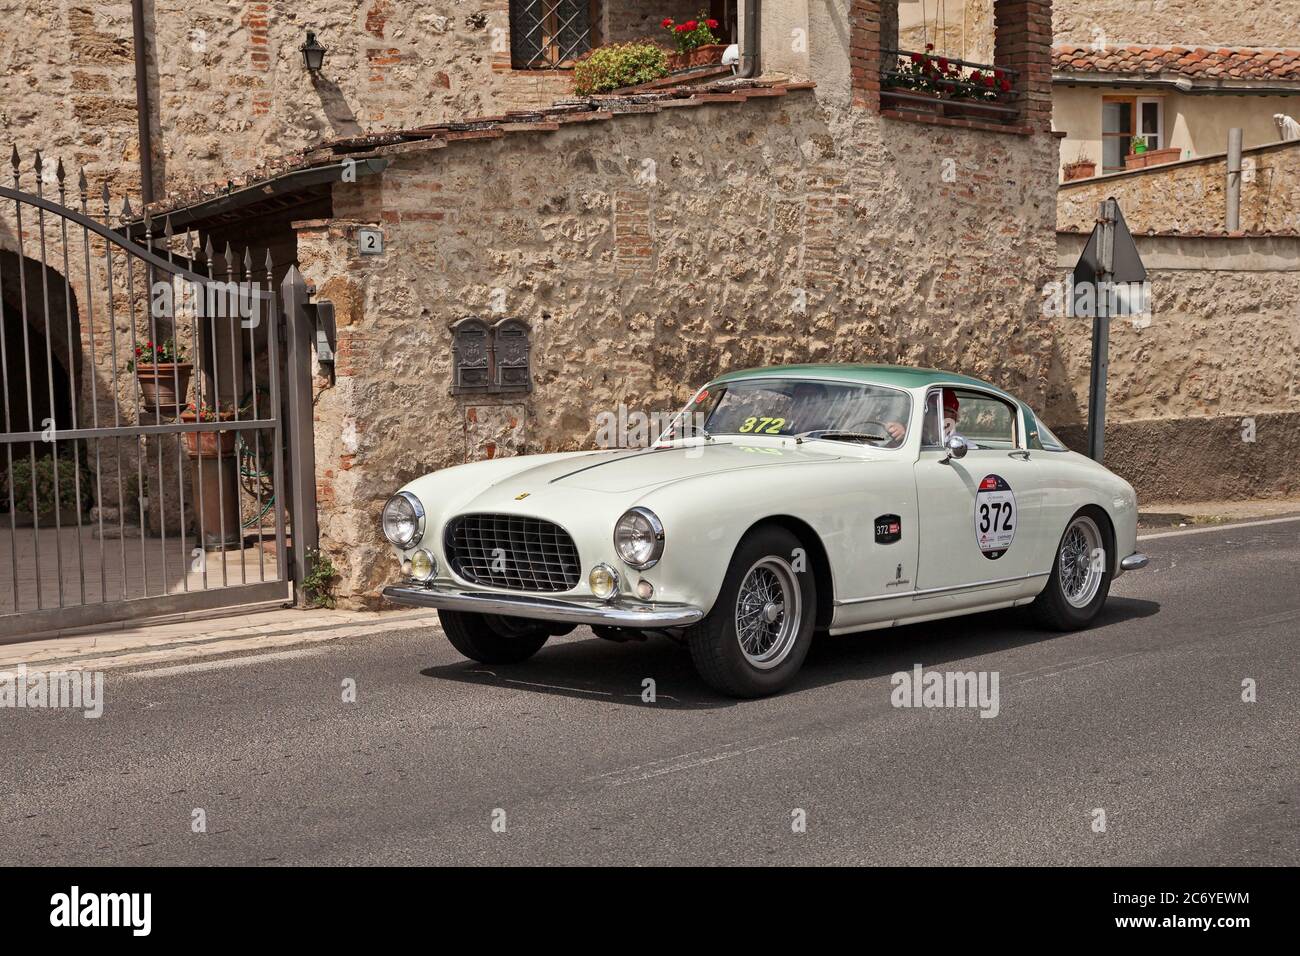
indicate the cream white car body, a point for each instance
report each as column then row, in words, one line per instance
column 709, row 492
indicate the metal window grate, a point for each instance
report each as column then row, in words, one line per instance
column 548, row 34
column 512, row 552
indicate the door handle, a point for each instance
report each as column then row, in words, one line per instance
column 1021, row 453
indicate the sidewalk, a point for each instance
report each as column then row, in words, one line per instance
column 274, row 628
column 187, row 640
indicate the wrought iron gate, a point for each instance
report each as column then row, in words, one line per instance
column 122, row 496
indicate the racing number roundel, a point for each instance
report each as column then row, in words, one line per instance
column 995, row 517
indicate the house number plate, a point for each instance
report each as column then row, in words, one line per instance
column 370, row 242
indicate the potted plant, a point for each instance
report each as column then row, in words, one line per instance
column 1080, row 169
column 207, row 444
column 50, row 495
column 979, row 86
column 696, row 43
column 163, row 373
column 617, row 66
column 915, row 85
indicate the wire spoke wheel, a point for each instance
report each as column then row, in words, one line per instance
column 1079, row 574
column 768, row 612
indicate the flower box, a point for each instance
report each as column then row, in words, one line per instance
column 1081, row 169
column 916, row 101
column 1152, row 157
column 706, row 55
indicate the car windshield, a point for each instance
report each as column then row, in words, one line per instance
column 831, row 410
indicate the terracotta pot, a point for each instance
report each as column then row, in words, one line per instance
column 206, row 443
column 165, row 384
column 1157, row 157
column 1135, row 160
column 705, row 55
column 900, row 99
column 1084, row 169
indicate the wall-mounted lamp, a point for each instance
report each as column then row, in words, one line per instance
column 313, row 54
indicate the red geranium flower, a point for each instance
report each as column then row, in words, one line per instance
column 1006, row 86
column 929, row 47
column 988, row 81
column 943, row 63
column 975, row 76
column 668, row 21
column 681, row 28
column 712, row 24
column 999, row 74
column 692, row 24
column 917, row 58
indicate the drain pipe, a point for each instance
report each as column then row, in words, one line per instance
column 142, row 102
column 749, row 66
column 1234, row 179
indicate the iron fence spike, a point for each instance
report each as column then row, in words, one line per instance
column 58, row 171
column 82, row 185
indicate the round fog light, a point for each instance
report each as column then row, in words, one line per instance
column 422, row 565
column 645, row 590
column 604, row 581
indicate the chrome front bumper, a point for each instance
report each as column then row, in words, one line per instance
column 566, row 610
column 1134, row 562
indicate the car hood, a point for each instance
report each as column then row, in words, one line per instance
column 642, row 469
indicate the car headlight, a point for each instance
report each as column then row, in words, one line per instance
column 423, row 566
column 639, row 538
column 403, row 519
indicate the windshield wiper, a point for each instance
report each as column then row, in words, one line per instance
column 830, row 434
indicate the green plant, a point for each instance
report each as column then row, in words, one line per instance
column 691, row 33
column 1140, row 145
column 21, row 477
column 162, row 353
column 318, row 585
column 621, row 64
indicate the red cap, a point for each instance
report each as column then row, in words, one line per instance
column 950, row 402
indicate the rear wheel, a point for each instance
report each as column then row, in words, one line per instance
column 1080, row 578
column 490, row 639
column 756, row 637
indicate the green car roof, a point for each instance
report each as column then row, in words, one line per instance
column 899, row 376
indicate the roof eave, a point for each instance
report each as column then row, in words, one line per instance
column 1180, row 82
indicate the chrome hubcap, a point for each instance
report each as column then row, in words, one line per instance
column 1080, row 576
column 768, row 612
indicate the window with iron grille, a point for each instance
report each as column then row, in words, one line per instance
column 549, row 34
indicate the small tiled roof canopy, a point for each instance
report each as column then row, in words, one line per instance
column 1241, row 63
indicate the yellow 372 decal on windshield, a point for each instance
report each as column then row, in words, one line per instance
column 763, row 426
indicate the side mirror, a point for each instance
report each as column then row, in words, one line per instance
column 957, row 448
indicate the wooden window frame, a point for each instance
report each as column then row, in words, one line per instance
column 1135, row 102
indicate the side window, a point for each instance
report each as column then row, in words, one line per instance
column 1049, row 441
column 985, row 420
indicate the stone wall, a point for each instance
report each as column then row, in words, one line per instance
column 652, row 251
column 1220, row 350
column 227, row 85
column 1190, row 196
column 1212, row 23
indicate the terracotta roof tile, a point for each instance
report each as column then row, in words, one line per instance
column 1246, row 63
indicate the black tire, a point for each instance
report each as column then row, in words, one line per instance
column 492, row 640
column 1051, row 608
column 714, row 644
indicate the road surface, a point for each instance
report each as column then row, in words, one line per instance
column 559, row 761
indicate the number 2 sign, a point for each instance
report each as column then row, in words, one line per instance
column 995, row 517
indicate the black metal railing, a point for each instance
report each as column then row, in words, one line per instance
column 918, row 80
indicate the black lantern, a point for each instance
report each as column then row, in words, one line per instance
column 313, row 54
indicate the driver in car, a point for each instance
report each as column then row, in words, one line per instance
column 951, row 412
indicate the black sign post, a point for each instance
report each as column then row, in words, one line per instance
column 1103, row 277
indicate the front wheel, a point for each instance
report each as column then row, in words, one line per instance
column 1080, row 578
column 489, row 639
column 755, row 639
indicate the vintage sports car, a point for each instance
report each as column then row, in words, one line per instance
column 781, row 501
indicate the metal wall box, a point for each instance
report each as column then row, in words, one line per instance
column 510, row 346
column 471, row 353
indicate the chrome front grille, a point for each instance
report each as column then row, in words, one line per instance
column 512, row 552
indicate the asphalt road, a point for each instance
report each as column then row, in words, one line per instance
column 1141, row 717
